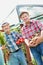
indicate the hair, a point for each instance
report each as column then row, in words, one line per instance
column 23, row 13
column 4, row 23
column 21, row 25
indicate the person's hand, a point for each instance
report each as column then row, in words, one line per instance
column 38, row 41
column 3, row 47
column 33, row 43
column 30, row 63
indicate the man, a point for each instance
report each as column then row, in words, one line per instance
column 27, row 49
column 30, row 28
column 16, row 55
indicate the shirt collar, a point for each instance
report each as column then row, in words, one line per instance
column 26, row 25
column 8, row 34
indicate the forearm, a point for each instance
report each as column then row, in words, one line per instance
column 39, row 40
column 26, row 42
column 3, row 47
column 28, row 54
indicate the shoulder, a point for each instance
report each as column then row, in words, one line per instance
column 14, row 32
column 35, row 21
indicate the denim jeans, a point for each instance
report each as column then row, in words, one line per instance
column 37, row 53
column 17, row 58
column 1, row 58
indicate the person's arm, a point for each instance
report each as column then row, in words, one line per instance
column 34, row 43
column 18, row 34
column 40, row 38
column 39, row 24
column 26, row 42
column 24, row 36
column 2, row 47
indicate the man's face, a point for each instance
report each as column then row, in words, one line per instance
column 25, row 17
column 6, row 27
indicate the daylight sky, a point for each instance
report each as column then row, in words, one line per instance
column 6, row 7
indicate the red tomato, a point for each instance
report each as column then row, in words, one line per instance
column 21, row 39
column 17, row 42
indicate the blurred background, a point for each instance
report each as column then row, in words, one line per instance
column 8, row 9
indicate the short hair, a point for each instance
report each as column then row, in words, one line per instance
column 23, row 13
column 4, row 23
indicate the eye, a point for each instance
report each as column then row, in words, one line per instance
column 25, row 15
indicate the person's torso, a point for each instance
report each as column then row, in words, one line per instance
column 31, row 30
column 11, row 41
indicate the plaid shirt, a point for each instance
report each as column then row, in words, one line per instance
column 29, row 31
column 11, row 41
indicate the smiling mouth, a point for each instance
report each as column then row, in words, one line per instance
column 26, row 19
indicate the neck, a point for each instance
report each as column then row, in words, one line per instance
column 8, row 32
column 28, row 23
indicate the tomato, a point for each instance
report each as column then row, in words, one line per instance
column 19, row 41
